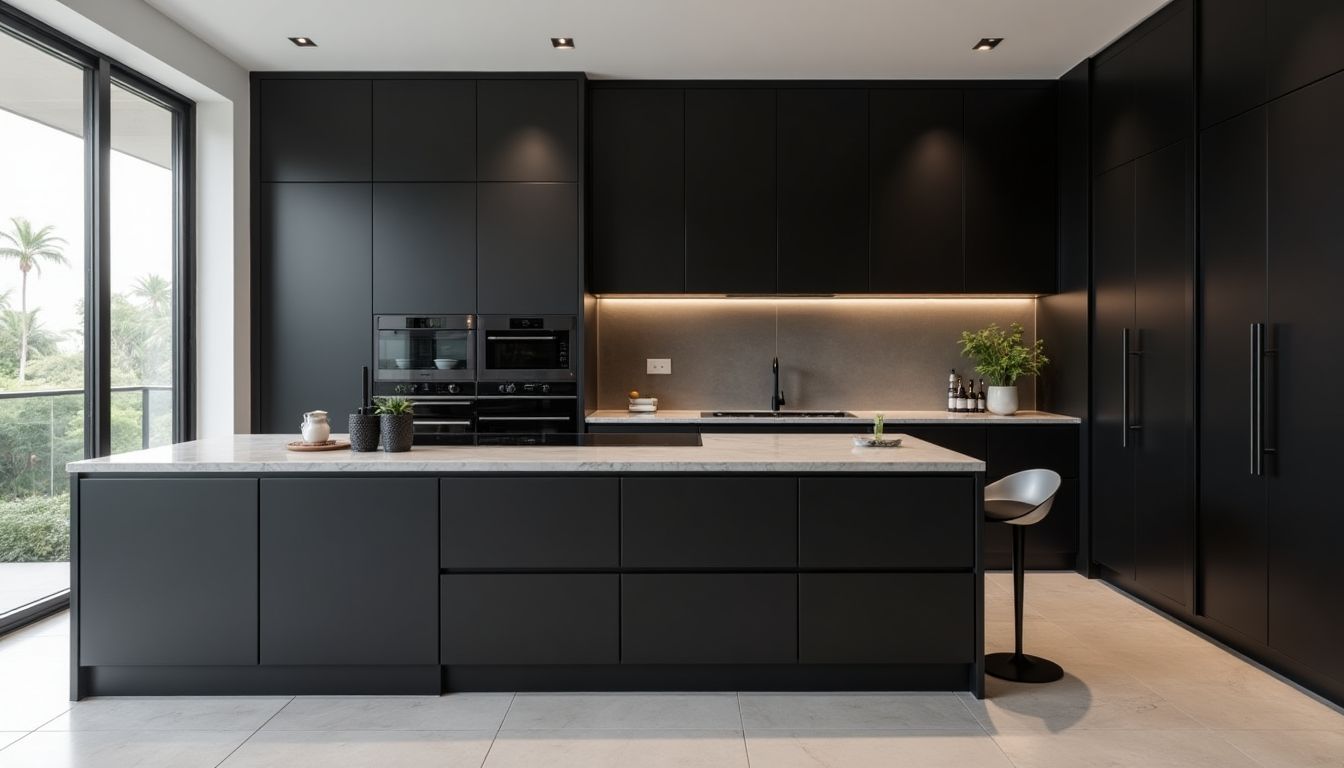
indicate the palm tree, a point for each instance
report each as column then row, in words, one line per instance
column 155, row 292
column 30, row 248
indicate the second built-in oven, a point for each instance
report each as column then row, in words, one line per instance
column 530, row 408
column 527, row 348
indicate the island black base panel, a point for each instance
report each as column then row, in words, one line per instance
column 715, row 677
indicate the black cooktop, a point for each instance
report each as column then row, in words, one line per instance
column 573, row 439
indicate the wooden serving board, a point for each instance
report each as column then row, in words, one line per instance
column 330, row 445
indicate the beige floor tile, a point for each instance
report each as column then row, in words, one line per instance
column 1042, row 638
column 1250, row 705
column 880, row 711
column 874, row 749
column 1121, row 749
column 363, row 749
column 454, row 712
column 618, row 749
column 999, row 607
column 630, row 711
column 169, row 713
column 121, row 749
column 9, row 737
column 1290, row 749
column 1138, row 639
column 1064, row 607
column 27, row 709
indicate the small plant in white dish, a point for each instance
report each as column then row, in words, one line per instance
column 1001, row 357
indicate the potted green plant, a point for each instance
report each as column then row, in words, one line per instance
column 1001, row 357
column 396, row 421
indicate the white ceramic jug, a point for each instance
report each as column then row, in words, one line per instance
column 315, row 427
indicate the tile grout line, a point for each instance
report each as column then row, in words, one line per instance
column 499, row 728
column 255, row 731
column 746, row 749
column 1237, row 749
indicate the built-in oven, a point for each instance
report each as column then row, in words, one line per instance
column 527, row 408
column 530, row 348
column 424, row 348
column 442, row 411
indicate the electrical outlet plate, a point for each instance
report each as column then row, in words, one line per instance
column 659, row 365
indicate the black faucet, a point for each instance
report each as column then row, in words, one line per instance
column 777, row 392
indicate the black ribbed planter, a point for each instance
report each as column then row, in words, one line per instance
column 363, row 432
column 398, row 431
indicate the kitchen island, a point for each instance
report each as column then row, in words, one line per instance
column 786, row 562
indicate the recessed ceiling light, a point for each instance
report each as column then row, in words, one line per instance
column 987, row 44
column 303, row 42
column 563, row 43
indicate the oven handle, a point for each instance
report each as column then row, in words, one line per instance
column 439, row 400
column 524, row 418
column 552, row 337
column 418, row 422
column 527, row 397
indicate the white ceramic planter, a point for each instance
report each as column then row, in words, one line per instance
column 1002, row 400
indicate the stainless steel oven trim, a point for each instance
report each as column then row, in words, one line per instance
column 527, row 397
column 443, row 423
column 525, row 418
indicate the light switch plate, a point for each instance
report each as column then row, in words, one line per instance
column 659, row 365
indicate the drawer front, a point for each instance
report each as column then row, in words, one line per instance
column 529, row 522
column 1013, row 449
column 696, row 618
column 529, row 619
column 709, row 522
column 899, row 522
column 888, row 618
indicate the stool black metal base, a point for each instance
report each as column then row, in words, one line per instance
column 1022, row 668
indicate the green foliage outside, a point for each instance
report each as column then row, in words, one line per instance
column 35, row 529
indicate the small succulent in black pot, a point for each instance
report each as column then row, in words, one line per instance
column 397, row 422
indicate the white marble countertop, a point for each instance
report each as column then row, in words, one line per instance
column 719, row 453
column 860, row 417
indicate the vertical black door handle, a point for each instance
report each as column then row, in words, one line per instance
column 1257, row 399
column 1124, row 389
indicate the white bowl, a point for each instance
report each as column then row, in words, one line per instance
column 444, row 363
column 403, row 362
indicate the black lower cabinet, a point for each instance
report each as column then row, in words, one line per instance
column 916, row 522
column 547, row 523
column 709, row 618
column 510, row 618
column 886, row 618
column 349, row 571
column 709, row 522
column 167, row 572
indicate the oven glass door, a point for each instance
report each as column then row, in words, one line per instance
column 424, row 354
column 512, row 351
column 538, row 415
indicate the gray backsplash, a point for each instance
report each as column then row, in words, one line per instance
column 857, row 354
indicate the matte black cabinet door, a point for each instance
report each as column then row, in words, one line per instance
column 167, row 571
column 424, row 130
column 1014, row 449
column 349, row 571
column 424, row 248
column 529, row 522
column 703, row 618
column 916, row 170
column 530, row 618
column 730, row 191
column 1306, row 193
column 709, row 522
column 902, row 522
column 1010, row 191
column 1233, row 535
column 527, row 130
column 823, row 190
column 315, row 130
column 638, row 190
column 1231, row 58
column 1163, row 405
column 1302, row 41
column 527, row 249
column 885, row 618
column 1113, row 312
column 316, row 310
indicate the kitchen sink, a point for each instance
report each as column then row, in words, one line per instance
column 777, row 414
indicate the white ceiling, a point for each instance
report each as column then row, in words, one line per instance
column 916, row 39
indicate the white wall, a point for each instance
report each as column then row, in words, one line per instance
column 137, row 35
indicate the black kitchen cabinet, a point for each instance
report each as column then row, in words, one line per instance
column 916, row 172
column 1012, row 448
column 1010, row 190
column 315, row 130
column 822, row 167
column 731, row 237
column 1231, row 58
column 527, row 130
column 349, row 571
column 1302, row 42
column 709, row 522
column 709, row 618
column 512, row 618
column 553, row 523
column 897, row 522
column 315, row 304
column 167, row 571
column 870, row 618
column 424, row 248
column 638, row 190
column 527, row 249
column 424, row 130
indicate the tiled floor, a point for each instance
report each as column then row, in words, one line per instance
column 24, row 583
column 1140, row 691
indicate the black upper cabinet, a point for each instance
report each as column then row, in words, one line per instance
column 730, row 191
column 527, row 248
column 424, row 130
column 1231, row 58
column 1303, row 42
column 915, row 171
column 638, row 190
column 1010, row 190
column 527, row 130
column 823, row 190
column 315, row 130
column 424, row 248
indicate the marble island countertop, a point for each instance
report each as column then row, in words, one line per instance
column 894, row 417
column 719, row 453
